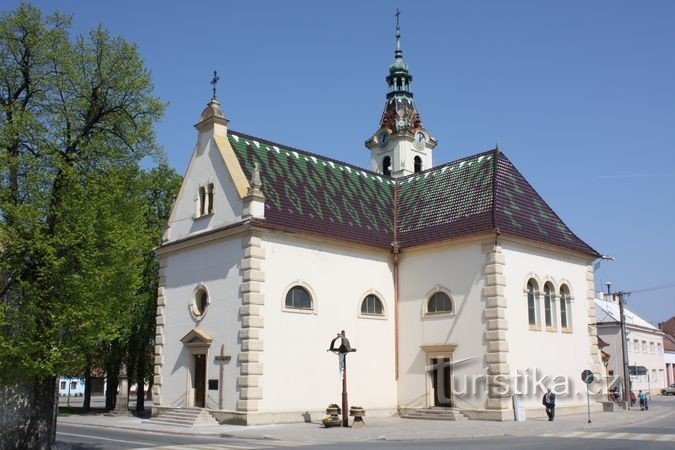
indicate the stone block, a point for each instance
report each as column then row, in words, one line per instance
column 497, row 346
column 247, row 405
column 255, row 298
column 160, row 321
column 496, row 357
column 249, row 393
column 159, row 360
column 250, row 263
column 495, row 313
column 496, row 258
column 495, row 335
column 160, row 311
column 250, row 310
column 493, row 269
column 251, row 369
column 492, row 302
column 253, row 322
column 498, row 369
column 495, row 280
column 493, row 291
column 249, row 333
column 248, row 381
column 245, row 357
column 253, row 241
column 251, row 286
column 498, row 324
column 253, row 275
column 252, row 345
column 254, row 252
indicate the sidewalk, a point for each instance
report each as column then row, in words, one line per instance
column 389, row 428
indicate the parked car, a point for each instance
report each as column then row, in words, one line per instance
column 670, row 390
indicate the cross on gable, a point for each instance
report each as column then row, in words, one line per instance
column 214, row 82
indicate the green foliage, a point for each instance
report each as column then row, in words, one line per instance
column 78, row 217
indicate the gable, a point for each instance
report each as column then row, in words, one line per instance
column 210, row 165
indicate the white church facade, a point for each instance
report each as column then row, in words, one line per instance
column 457, row 284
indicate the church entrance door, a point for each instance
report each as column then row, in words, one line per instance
column 200, row 381
column 440, row 381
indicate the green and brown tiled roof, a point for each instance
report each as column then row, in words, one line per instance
column 306, row 192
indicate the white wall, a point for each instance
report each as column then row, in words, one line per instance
column 457, row 268
column 216, row 267
column 299, row 374
column 206, row 166
column 549, row 353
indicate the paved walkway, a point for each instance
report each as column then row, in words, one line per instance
column 389, row 428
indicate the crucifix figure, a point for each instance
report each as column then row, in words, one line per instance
column 221, row 360
column 214, row 82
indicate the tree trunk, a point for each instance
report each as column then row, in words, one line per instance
column 140, row 396
column 28, row 415
column 86, row 402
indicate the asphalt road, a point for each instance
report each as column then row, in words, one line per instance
column 645, row 435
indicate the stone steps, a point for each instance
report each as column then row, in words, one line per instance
column 184, row 417
column 434, row 413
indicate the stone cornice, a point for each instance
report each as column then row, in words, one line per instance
column 232, row 229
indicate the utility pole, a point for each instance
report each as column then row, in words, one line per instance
column 624, row 349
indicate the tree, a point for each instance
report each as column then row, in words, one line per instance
column 76, row 119
column 159, row 187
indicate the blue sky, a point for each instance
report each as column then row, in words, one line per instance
column 580, row 96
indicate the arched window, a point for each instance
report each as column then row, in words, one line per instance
column 418, row 164
column 531, row 303
column 209, row 194
column 565, row 307
column 548, row 305
column 439, row 302
column 202, row 201
column 298, row 298
column 372, row 306
column 386, row 166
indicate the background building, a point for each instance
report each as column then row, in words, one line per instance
column 644, row 345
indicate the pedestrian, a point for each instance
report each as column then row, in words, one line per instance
column 549, row 403
column 632, row 398
column 642, row 397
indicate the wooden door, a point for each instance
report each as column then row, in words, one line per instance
column 200, row 381
column 440, row 381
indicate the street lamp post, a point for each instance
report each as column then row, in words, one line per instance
column 624, row 351
column 342, row 351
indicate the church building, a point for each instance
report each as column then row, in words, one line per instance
column 457, row 284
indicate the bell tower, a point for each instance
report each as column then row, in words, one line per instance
column 401, row 145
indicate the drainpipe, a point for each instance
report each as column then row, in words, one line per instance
column 395, row 250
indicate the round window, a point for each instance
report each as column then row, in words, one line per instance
column 200, row 302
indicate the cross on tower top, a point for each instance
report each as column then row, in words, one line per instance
column 214, row 82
